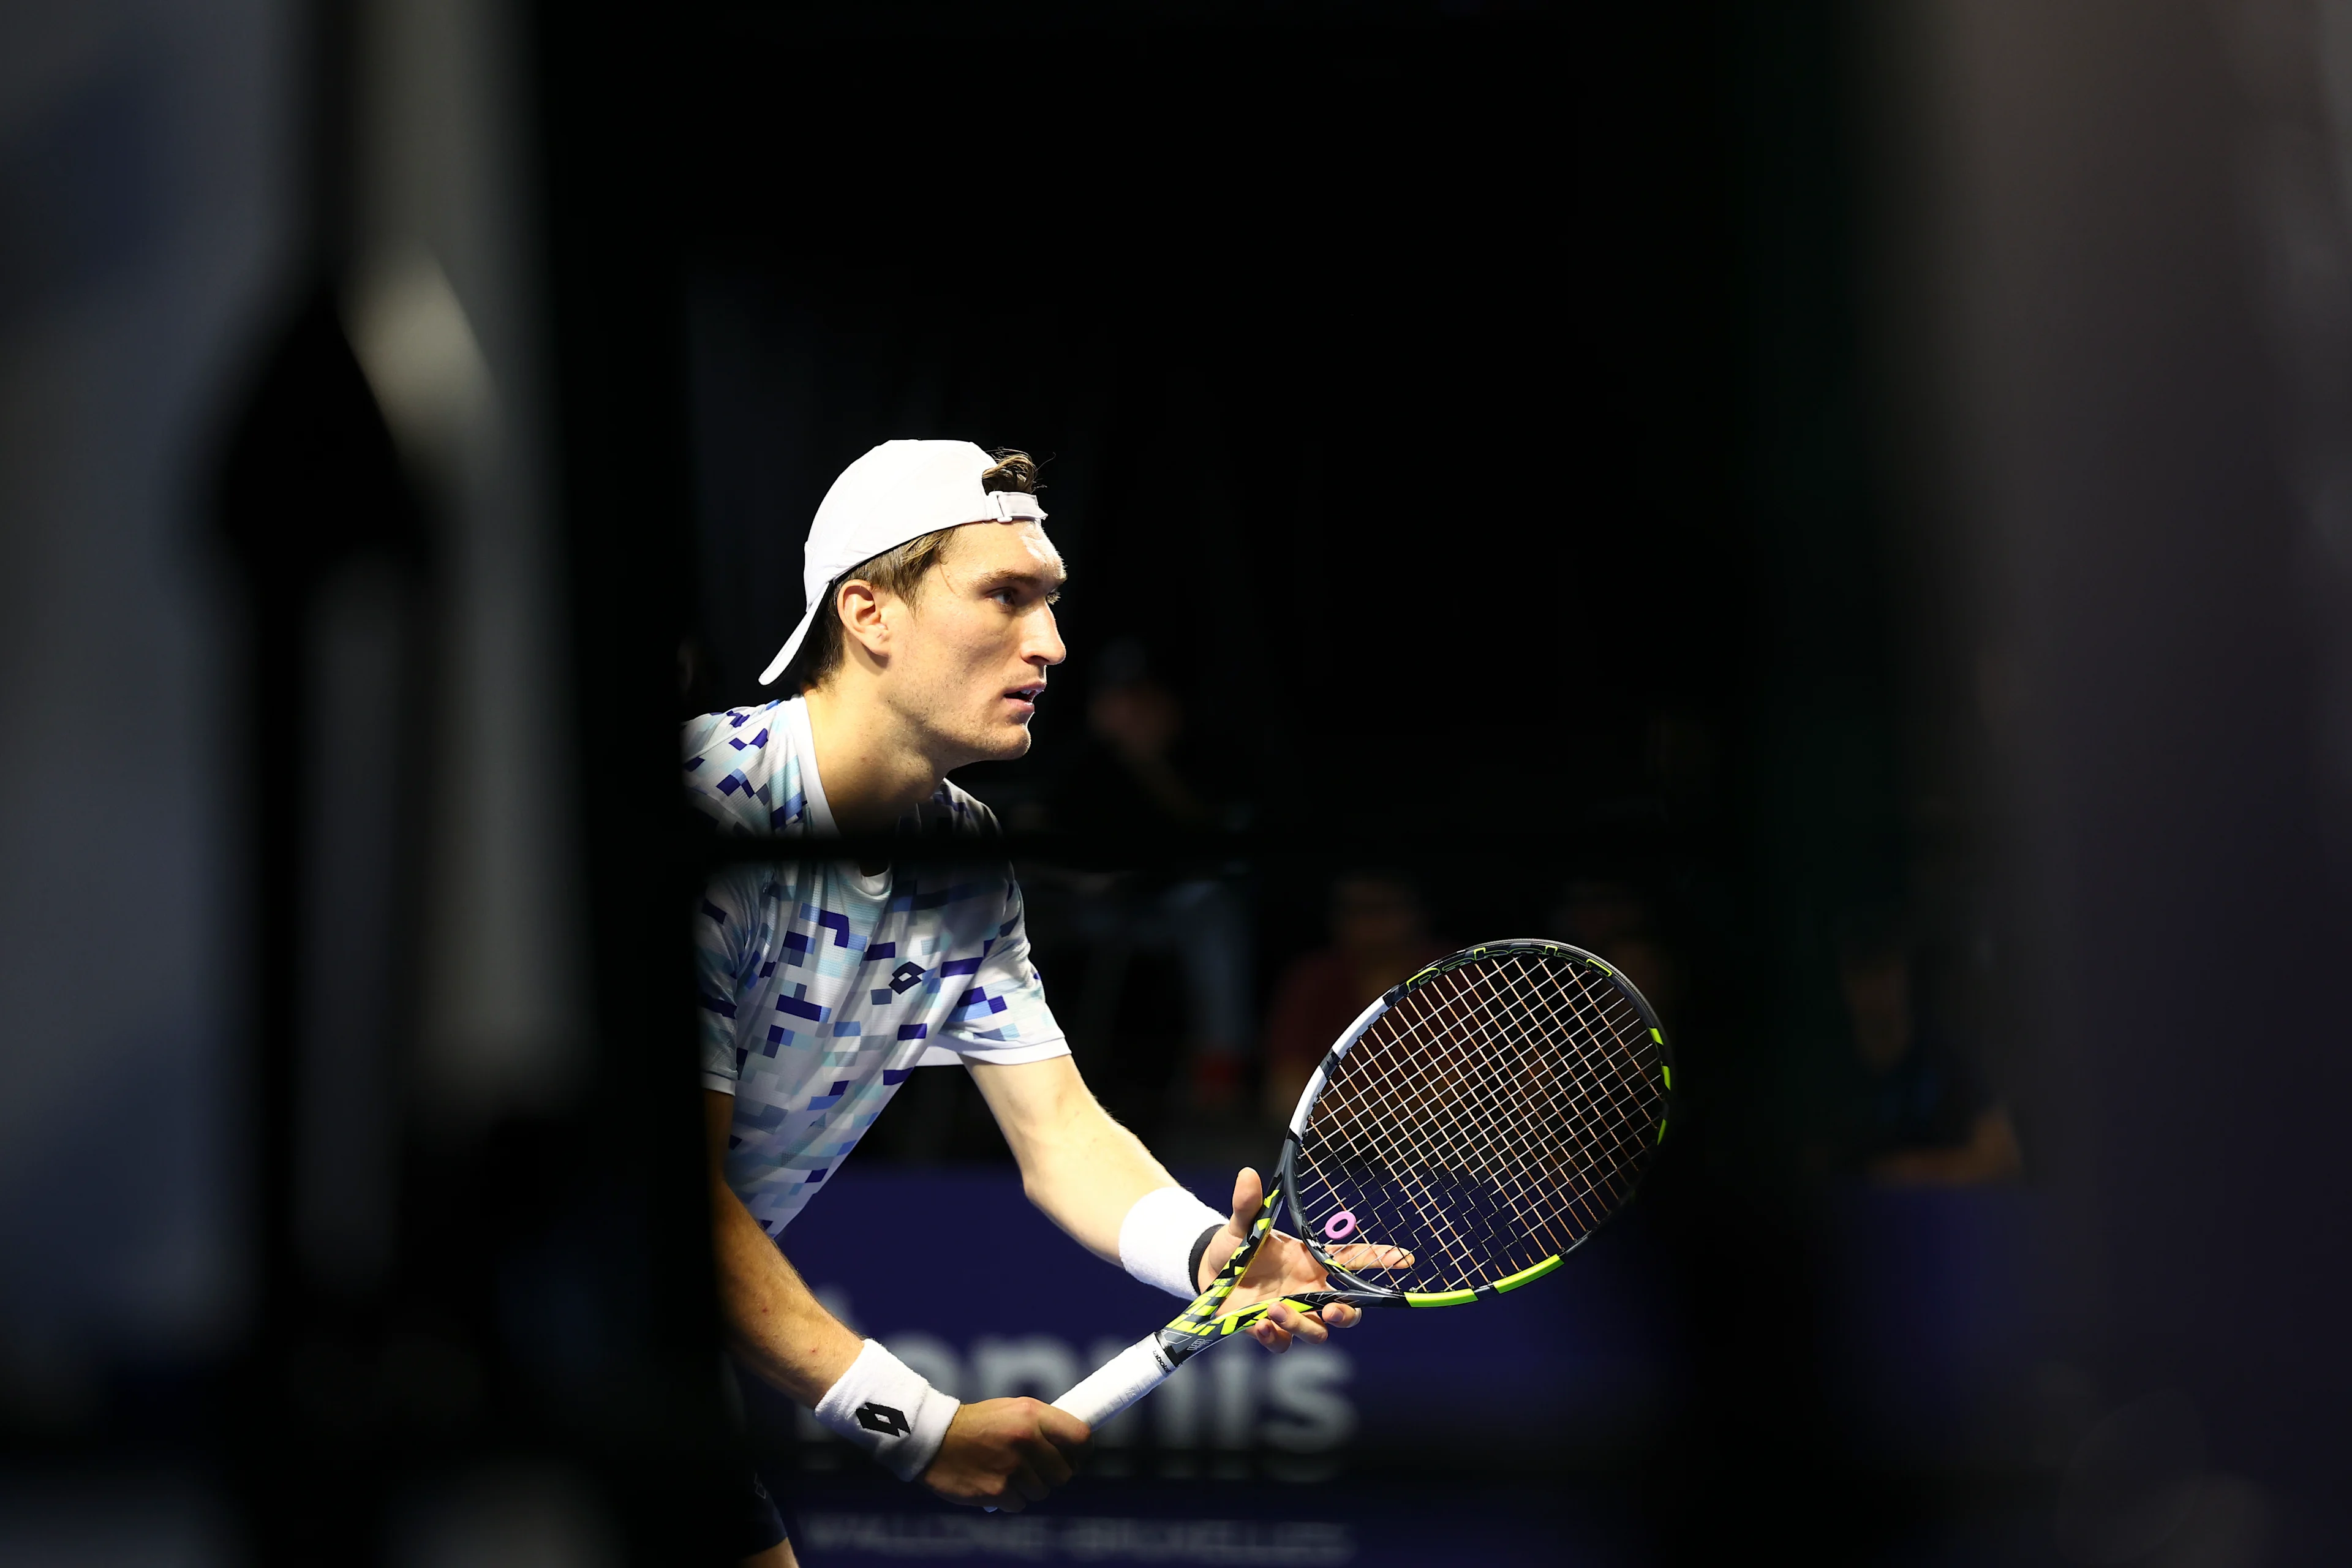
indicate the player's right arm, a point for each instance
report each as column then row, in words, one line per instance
column 1003, row 1453
column 774, row 1326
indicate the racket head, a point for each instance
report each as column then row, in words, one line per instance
column 1487, row 1115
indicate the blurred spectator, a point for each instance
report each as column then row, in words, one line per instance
column 1614, row 923
column 1128, row 781
column 1914, row 1110
column 1380, row 934
column 1129, row 774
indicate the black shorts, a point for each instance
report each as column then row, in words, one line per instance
column 770, row 1419
column 762, row 1525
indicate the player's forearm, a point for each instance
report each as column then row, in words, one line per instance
column 772, row 1323
column 1077, row 1165
column 1087, row 1186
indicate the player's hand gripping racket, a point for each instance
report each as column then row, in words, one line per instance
column 1482, row 1119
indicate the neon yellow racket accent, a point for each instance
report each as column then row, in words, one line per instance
column 1538, row 1272
column 1440, row 1298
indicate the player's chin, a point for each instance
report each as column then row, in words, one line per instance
column 1004, row 742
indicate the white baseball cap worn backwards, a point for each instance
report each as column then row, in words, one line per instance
column 899, row 490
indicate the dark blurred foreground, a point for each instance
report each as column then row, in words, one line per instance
column 1840, row 510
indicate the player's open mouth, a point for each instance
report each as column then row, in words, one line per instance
column 1026, row 697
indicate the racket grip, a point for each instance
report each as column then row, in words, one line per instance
column 1119, row 1383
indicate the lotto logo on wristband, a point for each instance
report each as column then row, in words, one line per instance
column 881, row 1418
column 881, row 1405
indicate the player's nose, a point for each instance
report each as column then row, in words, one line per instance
column 1042, row 644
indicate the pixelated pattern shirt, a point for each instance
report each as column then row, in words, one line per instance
column 822, row 988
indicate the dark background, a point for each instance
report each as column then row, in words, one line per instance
column 1787, row 463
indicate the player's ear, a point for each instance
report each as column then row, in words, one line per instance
column 861, row 608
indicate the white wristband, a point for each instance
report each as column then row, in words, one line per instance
column 1156, row 1238
column 885, row 1407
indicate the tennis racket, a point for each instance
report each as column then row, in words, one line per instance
column 1471, row 1129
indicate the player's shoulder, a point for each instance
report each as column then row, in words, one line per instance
column 955, row 809
column 740, row 769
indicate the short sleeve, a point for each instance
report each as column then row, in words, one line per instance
column 1001, row 1015
column 725, row 939
column 738, row 772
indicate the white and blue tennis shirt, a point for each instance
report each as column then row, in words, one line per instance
column 822, row 988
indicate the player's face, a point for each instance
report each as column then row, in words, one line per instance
column 982, row 639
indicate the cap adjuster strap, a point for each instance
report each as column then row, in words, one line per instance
column 1016, row 506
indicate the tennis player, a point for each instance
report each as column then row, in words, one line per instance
column 930, row 584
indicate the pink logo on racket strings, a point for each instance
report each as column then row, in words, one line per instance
column 1339, row 1226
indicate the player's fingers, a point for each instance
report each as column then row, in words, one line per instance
column 1046, row 1462
column 1063, row 1429
column 1270, row 1334
column 1026, row 1480
column 1249, row 1195
column 1340, row 1315
column 1309, row 1326
column 1366, row 1256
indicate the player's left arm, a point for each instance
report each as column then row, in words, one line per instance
column 1085, row 1171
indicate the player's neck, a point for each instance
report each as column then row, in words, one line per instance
column 873, row 770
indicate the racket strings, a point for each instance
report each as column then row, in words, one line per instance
column 1586, row 1094
column 1379, row 1173
column 1451, row 1018
column 1569, row 1097
column 1516, row 1187
column 1604, row 1092
column 1435, row 1218
column 1616, row 1084
column 1493, row 1117
column 1532, row 1075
